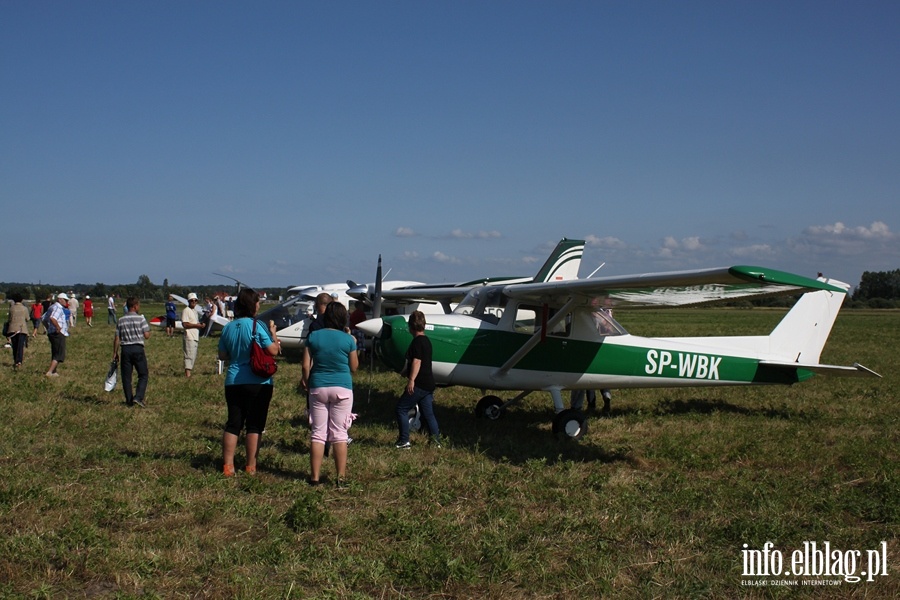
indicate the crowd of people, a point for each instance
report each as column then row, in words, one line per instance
column 330, row 360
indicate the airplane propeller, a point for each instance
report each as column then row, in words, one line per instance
column 376, row 306
column 240, row 284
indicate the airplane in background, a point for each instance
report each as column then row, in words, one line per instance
column 219, row 321
column 560, row 335
column 291, row 317
column 562, row 264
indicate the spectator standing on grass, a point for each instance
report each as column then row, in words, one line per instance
column 111, row 317
column 88, row 309
column 329, row 361
column 247, row 394
column 318, row 320
column 131, row 331
column 191, row 324
column 209, row 316
column 57, row 331
column 73, row 309
column 17, row 329
column 356, row 317
column 37, row 311
column 420, row 384
column 171, row 316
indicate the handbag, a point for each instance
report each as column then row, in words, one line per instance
column 261, row 362
column 111, row 376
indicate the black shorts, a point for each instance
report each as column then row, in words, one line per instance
column 57, row 347
column 170, row 321
column 248, row 407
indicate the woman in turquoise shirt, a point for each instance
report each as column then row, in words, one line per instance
column 246, row 393
column 329, row 361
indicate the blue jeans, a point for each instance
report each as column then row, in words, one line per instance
column 425, row 402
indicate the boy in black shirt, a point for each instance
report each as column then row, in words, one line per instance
column 420, row 383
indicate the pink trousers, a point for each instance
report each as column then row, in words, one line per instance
column 330, row 413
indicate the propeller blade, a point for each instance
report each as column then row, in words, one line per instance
column 376, row 306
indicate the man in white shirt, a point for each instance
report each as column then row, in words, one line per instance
column 191, row 324
column 57, row 331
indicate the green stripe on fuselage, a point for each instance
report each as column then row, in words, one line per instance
column 491, row 348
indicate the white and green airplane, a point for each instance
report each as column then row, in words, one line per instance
column 559, row 335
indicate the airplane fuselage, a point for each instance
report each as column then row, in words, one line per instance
column 471, row 352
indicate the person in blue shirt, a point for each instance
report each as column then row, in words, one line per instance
column 171, row 316
column 247, row 394
column 329, row 361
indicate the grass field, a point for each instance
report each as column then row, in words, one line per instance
column 658, row 501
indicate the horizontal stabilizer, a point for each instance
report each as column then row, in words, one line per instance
column 857, row 370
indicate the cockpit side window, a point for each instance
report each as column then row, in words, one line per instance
column 604, row 322
column 485, row 303
column 529, row 319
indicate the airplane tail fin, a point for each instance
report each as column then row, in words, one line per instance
column 801, row 335
column 563, row 263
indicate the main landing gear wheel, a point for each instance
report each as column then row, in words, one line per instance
column 489, row 408
column 570, row 423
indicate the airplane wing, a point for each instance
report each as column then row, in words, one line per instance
column 453, row 292
column 677, row 288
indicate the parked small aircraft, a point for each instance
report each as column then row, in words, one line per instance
column 562, row 264
column 218, row 320
column 558, row 335
column 291, row 317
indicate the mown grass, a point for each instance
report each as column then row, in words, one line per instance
column 97, row 500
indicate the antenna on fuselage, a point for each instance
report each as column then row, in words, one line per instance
column 595, row 270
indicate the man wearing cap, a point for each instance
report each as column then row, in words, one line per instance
column 73, row 308
column 57, row 332
column 192, row 326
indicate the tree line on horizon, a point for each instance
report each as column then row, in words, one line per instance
column 144, row 289
column 876, row 289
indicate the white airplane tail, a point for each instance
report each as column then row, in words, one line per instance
column 801, row 335
column 563, row 263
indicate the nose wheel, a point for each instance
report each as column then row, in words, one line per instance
column 489, row 407
column 570, row 423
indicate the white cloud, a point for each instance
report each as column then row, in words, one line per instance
column 841, row 240
column 459, row 234
column 878, row 230
column 404, row 232
column 445, row 258
column 753, row 251
column 672, row 247
column 607, row 242
column 411, row 255
column 691, row 243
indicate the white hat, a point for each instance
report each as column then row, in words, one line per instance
column 62, row 296
column 87, row 297
column 192, row 296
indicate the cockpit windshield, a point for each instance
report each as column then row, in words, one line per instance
column 485, row 303
column 292, row 310
column 604, row 322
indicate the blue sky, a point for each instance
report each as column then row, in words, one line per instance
column 292, row 142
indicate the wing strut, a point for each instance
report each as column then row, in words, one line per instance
column 534, row 340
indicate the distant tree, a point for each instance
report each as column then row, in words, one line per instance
column 880, row 284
